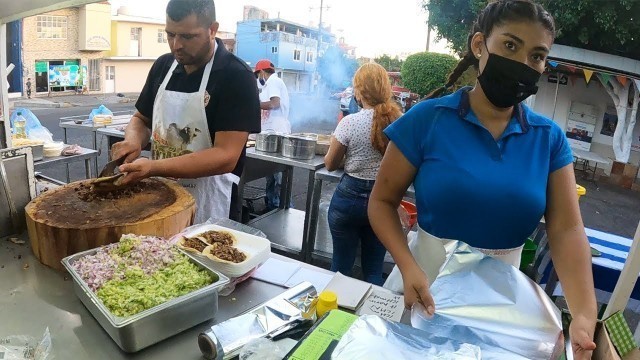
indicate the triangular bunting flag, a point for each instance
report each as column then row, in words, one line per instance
column 606, row 77
column 587, row 74
column 622, row 79
column 571, row 68
column 553, row 63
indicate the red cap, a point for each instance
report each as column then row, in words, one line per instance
column 264, row 64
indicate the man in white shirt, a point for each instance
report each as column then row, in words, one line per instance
column 274, row 103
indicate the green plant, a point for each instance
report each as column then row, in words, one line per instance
column 424, row 72
column 610, row 26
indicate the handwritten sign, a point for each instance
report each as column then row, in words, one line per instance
column 383, row 303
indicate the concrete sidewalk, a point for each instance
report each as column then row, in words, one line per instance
column 70, row 100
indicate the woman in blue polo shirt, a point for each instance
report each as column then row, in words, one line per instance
column 486, row 168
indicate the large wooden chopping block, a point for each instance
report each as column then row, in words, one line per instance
column 60, row 223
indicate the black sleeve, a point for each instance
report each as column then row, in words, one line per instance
column 239, row 106
column 150, row 89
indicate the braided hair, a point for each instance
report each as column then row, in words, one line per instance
column 494, row 14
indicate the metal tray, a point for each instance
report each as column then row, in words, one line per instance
column 136, row 332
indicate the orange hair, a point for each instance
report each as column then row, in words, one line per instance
column 371, row 83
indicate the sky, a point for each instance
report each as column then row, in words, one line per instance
column 373, row 29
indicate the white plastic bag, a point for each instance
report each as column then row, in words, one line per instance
column 263, row 349
column 20, row 347
column 34, row 129
column 429, row 253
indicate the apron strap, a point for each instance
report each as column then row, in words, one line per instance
column 207, row 72
column 168, row 76
column 205, row 76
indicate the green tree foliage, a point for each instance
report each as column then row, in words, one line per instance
column 389, row 63
column 335, row 68
column 453, row 20
column 611, row 26
column 425, row 72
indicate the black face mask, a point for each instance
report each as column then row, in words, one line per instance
column 507, row 82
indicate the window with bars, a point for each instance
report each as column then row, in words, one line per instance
column 110, row 73
column 296, row 55
column 51, row 27
column 135, row 33
column 94, row 74
column 162, row 36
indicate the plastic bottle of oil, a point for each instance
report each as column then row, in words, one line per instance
column 20, row 126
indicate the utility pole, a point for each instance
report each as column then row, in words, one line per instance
column 319, row 41
column 318, row 47
column 320, row 27
column 428, row 32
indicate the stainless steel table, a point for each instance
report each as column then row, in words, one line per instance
column 313, row 211
column 86, row 155
column 35, row 297
column 113, row 135
column 285, row 226
column 77, row 122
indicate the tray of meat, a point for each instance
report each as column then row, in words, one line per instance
column 231, row 252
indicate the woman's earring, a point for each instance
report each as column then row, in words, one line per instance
column 479, row 55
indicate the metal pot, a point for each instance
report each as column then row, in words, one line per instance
column 298, row 147
column 268, row 142
column 322, row 142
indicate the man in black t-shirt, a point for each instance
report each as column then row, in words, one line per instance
column 198, row 106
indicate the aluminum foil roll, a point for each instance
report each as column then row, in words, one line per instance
column 224, row 340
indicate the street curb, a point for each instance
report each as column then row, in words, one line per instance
column 53, row 105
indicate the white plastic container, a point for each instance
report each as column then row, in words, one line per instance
column 53, row 149
column 256, row 248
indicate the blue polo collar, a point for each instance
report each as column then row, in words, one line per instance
column 459, row 101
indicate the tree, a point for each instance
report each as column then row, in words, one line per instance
column 453, row 20
column 605, row 26
column 335, row 68
column 424, row 72
column 389, row 63
column 625, row 97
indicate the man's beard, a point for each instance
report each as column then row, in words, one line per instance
column 199, row 58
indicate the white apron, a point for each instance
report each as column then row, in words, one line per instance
column 180, row 127
column 430, row 253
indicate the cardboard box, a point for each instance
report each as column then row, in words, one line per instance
column 606, row 350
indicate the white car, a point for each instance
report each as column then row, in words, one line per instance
column 345, row 98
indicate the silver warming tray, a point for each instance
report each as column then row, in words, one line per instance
column 268, row 141
column 153, row 325
column 299, row 147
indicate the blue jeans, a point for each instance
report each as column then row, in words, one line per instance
column 349, row 225
column 272, row 191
